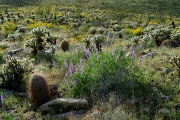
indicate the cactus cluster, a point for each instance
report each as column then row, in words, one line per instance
column 155, row 33
column 40, row 40
column 14, row 71
column 96, row 38
column 175, row 60
column 175, row 36
column 95, row 30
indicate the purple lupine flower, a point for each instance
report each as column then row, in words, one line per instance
column 76, row 50
column 141, row 58
column 87, row 53
column 92, row 64
column 125, row 48
column 133, row 55
column 117, row 57
column 113, row 38
column 74, row 82
column 70, row 69
column 108, row 35
column 94, row 46
column 80, row 62
column 131, row 49
column 65, row 63
column 82, row 70
column 2, row 101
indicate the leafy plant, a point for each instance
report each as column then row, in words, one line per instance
column 104, row 73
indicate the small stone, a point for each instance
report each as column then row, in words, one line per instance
column 164, row 97
column 164, row 111
column 151, row 54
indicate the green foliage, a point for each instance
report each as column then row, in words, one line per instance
column 14, row 72
column 8, row 28
column 105, row 73
column 69, row 56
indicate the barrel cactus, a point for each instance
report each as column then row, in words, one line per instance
column 64, row 45
column 38, row 90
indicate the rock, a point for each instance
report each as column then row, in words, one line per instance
column 132, row 101
column 67, row 116
column 151, row 54
column 61, row 105
column 164, row 111
column 164, row 97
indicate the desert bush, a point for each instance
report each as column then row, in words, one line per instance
column 14, row 72
column 137, row 31
column 38, row 24
column 8, row 28
column 106, row 72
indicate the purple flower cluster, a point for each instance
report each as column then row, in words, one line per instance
column 87, row 53
column 2, row 101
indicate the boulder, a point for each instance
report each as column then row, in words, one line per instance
column 62, row 105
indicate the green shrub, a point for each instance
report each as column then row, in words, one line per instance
column 107, row 72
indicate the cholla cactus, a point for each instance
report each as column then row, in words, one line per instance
column 98, row 39
column 175, row 36
column 148, row 29
column 175, row 60
column 88, row 41
column 92, row 30
column 39, row 32
column 116, row 28
column 100, row 30
column 14, row 71
column 39, row 37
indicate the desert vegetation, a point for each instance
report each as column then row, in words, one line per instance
column 91, row 59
